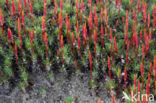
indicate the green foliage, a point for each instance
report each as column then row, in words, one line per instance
column 50, row 75
column 21, row 85
column 95, row 73
column 42, row 90
column 110, row 85
column 24, row 76
column 69, row 99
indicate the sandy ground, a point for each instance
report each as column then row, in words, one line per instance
column 55, row 90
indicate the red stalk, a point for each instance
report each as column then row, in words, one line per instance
column 138, row 6
column 109, row 66
column 62, row 48
column 113, row 99
column 23, row 21
column 10, row 36
column 57, row 53
column 147, row 88
column 25, row 4
column 90, row 22
column 69, row 26
column 134, row 15
column 115, row 47
column 60, row 34
column 111, row 37
column 13, row 8
column 135, row 84
column 66, row 21
column 102, row 35
column 142, row 72
column 127, row 20
column 116, row 4
column 55, row 11
column 99, row 101
column 125, row 77
column 61, row 5
column 75, row 64
column 60, row 20
column 77, row 8
column 82, row 6
column 139, row 88
column 101, row 14
column 96, row 21
column 31, row 11
column 97, row 1
column 45, row 8
column 151, row 68
column 28, row 1
column 126, row 28
column 116, row 24
column 19, row 7
column 147, row 45
column 127, row 54
column 106, row 19
column 134, row 36
column 55, row 5
column 132, row 93
column 19, row 32
column 81, row 10
column 20, row 2
column 144, row 12
column 90, row 61
column 148, row 20
column 15, row 50
column 84, row 34
column 145, row 35
column 119, row 3
column 149, row 78
column 1, row 19
column 95, row 38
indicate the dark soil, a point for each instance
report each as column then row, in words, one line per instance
column 55, row 90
